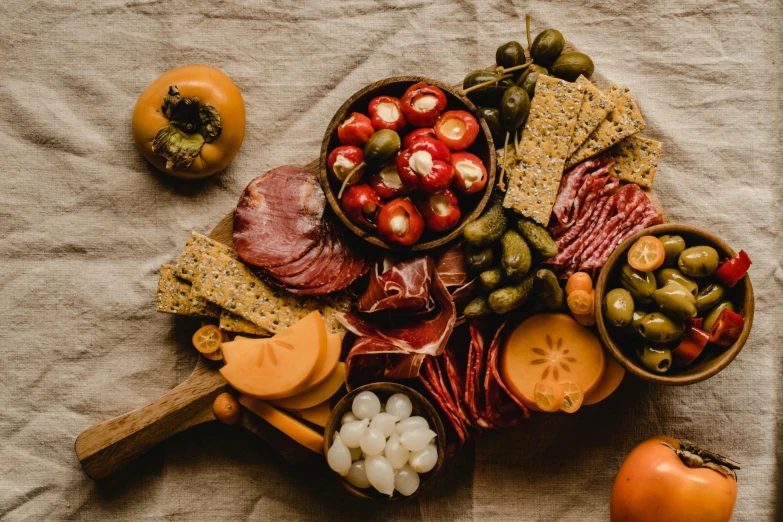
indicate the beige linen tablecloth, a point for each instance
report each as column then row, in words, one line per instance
column 85, row 224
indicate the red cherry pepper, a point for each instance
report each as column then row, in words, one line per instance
column 413, row 136
column 342, row 160
column 470, row 174
column 387, row 182
column 361, row 204
column 422, row 104
column 386, row 113
column 734, row 269
column 457, row 129
column 727, row 328
column 355, row 130
column 400, row 222
column 441, row 211
column 691, row 346
column 426, row 165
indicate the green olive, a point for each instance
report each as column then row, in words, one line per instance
column 509, row 55
column 665, row 275
column 489, row 95
column 514, row 108
column 710, row 318
column 709, row 296
column 658, row 328
column 655, row 358
column 636, row 318
column 492, row 117
column 618, row 307
column 381, row 148
column 547, row 46
column 673, row 245
column 698, row 261
column 569, row 66
column 676, row 301
column 641, row 284
column 529, row 78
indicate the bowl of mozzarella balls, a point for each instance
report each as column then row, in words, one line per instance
column 385, row 441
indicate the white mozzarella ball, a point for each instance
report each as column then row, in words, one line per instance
column 416, row 439
column 380, row 474
column 406, row 481
column 356, row 453
column 412, row 423
column 366, row 405
column 348, row 417
column 352, row 432
column 424, row 459
column 339, row 457
column 384, row 422
column 357, row 475
column 399, row 405
column 395, row 453
column 372, row 442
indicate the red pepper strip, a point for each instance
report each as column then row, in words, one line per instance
column 727, row 328
column 696, row 322
column 734, row 269
column 691, row 345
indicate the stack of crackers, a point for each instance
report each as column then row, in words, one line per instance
column 209, row 280
column 569, row 123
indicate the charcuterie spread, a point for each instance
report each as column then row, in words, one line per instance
column 493, row 246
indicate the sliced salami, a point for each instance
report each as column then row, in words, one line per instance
column 503, row 408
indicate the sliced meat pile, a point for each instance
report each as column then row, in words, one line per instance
column 593, row 216
column 279, row 227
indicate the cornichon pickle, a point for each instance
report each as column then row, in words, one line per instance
column 382, row 146
column 492, row 117
column 538, row 238
column 698, row 261
column 673, row 246
column 641, row 284
column 479, row 259
column 490, row 94
column 506, row 299
column 514, row 108
column 490, row 279
column 488, row 227
column 711, row 317
column 477, row 308
column 516, row 258
column 548, row 289
column 569, row 66
column 708, row 297
column 547, row 46
column 676, row 301
column 659, row 328
column 663, row 276
column 529, row 78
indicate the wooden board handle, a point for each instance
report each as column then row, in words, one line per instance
column 112, row 444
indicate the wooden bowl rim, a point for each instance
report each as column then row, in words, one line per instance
column 343, row 405
column 368, row 236
column 718, row 363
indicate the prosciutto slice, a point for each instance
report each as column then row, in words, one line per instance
column 372, row 360
column 405, row 285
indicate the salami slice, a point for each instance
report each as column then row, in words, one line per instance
column 503, row 408
column 474, row 386
column 279, row 217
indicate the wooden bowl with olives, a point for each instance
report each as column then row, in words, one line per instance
column 668, row 324
column 413, row 414
column 424, row 199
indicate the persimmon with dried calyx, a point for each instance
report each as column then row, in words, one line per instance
column 190, row 122
column 226, row 408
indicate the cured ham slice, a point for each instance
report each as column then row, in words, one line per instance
column 405, row 285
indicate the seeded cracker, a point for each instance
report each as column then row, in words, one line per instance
column 623, row 121
column 636, row 160
column 534, row 181
column 595, row 107
column 175, row 296
column 234, row 323
column 199, row 244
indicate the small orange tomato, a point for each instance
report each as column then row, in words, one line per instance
column 190, row 122
column 646, row 254
column 226, row 408
column 660, row 481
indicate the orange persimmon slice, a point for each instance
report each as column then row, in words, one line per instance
column 317, row 394
column 613, row 376
column 318, row 414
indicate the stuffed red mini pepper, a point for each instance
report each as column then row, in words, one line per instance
column 342, row 160
column 440, row 211
column 387, row 182
column 470, row 174
column 426, row 165
column 422, row 104
column 386, row 113
column 416, row 135
column 400, row 222
column 457, row 129
column 355, row 130
column 361, row 204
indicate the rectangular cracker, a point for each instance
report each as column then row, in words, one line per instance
column 623, row 121
column 199, row 244
column 636, row 160
column 235, row 323
column 175, row 296
column 595, row 107
column 534, row 181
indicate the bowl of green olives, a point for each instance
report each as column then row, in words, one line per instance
column 661, row 302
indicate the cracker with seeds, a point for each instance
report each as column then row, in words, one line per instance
column 199, row 244
column 623, row 121
column 534, row 181
column 636, row 160
column 238, row 324
column 595, row 107
column 175, row 296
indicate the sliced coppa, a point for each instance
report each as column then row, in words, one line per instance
column 311, row 273
column 279, row 217
column 294, row 268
